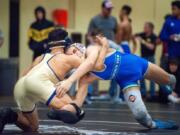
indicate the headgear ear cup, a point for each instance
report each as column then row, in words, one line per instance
column 68, row 41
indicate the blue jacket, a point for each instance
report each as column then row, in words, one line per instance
column 170, row 27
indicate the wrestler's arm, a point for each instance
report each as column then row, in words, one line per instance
column 100, row 61
column 87, row 65
column 84, row 68
column 35, row 62
column 83, row 88
column 91, row 60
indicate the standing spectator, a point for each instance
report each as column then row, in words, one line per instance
column 1, row 38
column 170, row 32
column 124, row 31
column 104, row 22
column 164, row 56
column 107, row 24
column 38, row 32
column 148, row 46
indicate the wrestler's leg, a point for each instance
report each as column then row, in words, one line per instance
column 27, row 117
column 65, row 109
column 62, row 103
column 133, row 99
column 158, row 75
column 28, row 121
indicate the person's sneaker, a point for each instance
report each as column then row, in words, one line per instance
column 173, row 99
column 105, row 97
column 118, row 101
column 170, row 125
column 87, row 101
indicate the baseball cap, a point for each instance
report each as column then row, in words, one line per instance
column 107, row 4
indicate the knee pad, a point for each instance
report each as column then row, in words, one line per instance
column 172, row 80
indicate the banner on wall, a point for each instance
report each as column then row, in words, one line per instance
column 60, row 17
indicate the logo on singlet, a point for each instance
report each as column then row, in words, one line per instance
column 116, row 67
column 132, row 98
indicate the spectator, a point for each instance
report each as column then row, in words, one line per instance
column 173, row 69
column 174, row 97
column 107, row 24
column 38, row 32
column 124, row 31
column 1, row 38
column 104, row 21
column 164, row 56
column 170, row 32
column 148, row 46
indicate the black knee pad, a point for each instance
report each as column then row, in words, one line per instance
column 67, row 116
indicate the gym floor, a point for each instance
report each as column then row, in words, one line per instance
column 102, row 118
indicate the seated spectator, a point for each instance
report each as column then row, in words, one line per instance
column 175, row 96
column 174, row 69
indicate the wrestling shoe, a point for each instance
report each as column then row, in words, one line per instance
column 4, row 116
column 67, row 116
column 170, row 125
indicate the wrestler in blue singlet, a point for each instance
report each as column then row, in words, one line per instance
column 126, row 69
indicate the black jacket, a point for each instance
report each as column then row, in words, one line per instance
column 38, row 35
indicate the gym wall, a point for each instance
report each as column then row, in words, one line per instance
column 80, row 11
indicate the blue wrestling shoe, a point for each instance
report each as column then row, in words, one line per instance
column 171, row 125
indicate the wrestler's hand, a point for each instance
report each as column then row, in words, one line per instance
column 102, row 41
column 62, row 88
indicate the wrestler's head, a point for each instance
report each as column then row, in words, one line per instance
column 76, row 49
column 58, row 40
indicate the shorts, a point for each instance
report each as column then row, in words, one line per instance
column 132, row 69
column 32, row 89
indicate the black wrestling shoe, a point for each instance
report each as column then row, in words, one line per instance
column 2, row 124
column 67, row 116
column 79, row 112
column 4, row 114
column 7, row 115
